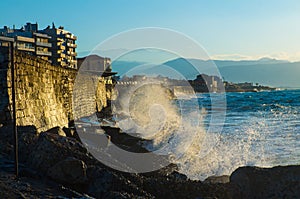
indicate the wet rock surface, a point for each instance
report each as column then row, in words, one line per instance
column 69, row 171
column 217, row 179
column 60, row 166
column 29, row 186
column 276, row 182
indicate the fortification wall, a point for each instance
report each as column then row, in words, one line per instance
column 44, row 93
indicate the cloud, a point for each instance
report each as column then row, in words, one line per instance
column 287, row 56
column 279, row 56
column 236, row 57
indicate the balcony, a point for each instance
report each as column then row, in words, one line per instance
column 44, row 44
column 71, row 36
column 25, row 39
column 44, row 53
column 63, row 64
column 42, row 35
column 3, row 43
column 72, row 53
column 73, row 61
column 71, row 45
column 8, row 39
column 25, row 48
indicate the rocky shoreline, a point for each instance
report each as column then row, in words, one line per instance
column 55, row 164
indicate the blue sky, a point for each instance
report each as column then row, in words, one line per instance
column 230, row 29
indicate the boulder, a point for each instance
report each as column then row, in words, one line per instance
column 56, row 131
column 72, row 133
column 176, row 176
column 121, row 195
column 105, row 183
column 217, row 179
column 69, row 171
column 68, row 131
column 100, row 181
column 51, row 149
column 276, row 182
column 170, row 170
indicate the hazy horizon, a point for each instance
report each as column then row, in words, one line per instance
column 213, row 57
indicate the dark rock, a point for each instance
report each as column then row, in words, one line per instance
column 105, row 183
column 170, row 169
column 30, row 129
column 57, row 131
column 6, row 191
column 120, row 195
column 276, row 182
column 30, row 173
column 96, row 140
column 124, row 140
column 68, row 131
column 72, row 133
column 76, row 136
column 178, row 176
column 26, row 142
column 51, row 149
column 69, row 171
column 217, row 179
column 101, row 181
column 6, row 133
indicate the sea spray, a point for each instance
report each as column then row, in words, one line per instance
column 257, row 132
column 263, row 131
column 152, row 112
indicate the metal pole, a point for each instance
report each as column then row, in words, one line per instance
column 14, row 118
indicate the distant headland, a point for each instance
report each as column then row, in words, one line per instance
column 202, row 84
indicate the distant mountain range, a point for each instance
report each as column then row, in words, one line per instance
column 265, row 71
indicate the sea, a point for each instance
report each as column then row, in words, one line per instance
column 257, row 129
column 213, row 134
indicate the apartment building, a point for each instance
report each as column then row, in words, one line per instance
column 43, row 47
column 63, row 46
column 53, row 44
column 28, row 40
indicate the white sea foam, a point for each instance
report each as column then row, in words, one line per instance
column 153, row 115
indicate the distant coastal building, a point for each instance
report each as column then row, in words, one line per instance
column 97, row 65
column 206, row 83
column 53, row 44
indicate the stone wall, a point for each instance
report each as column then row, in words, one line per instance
column 90, row 94
column 5, row 115
column 44, row 93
